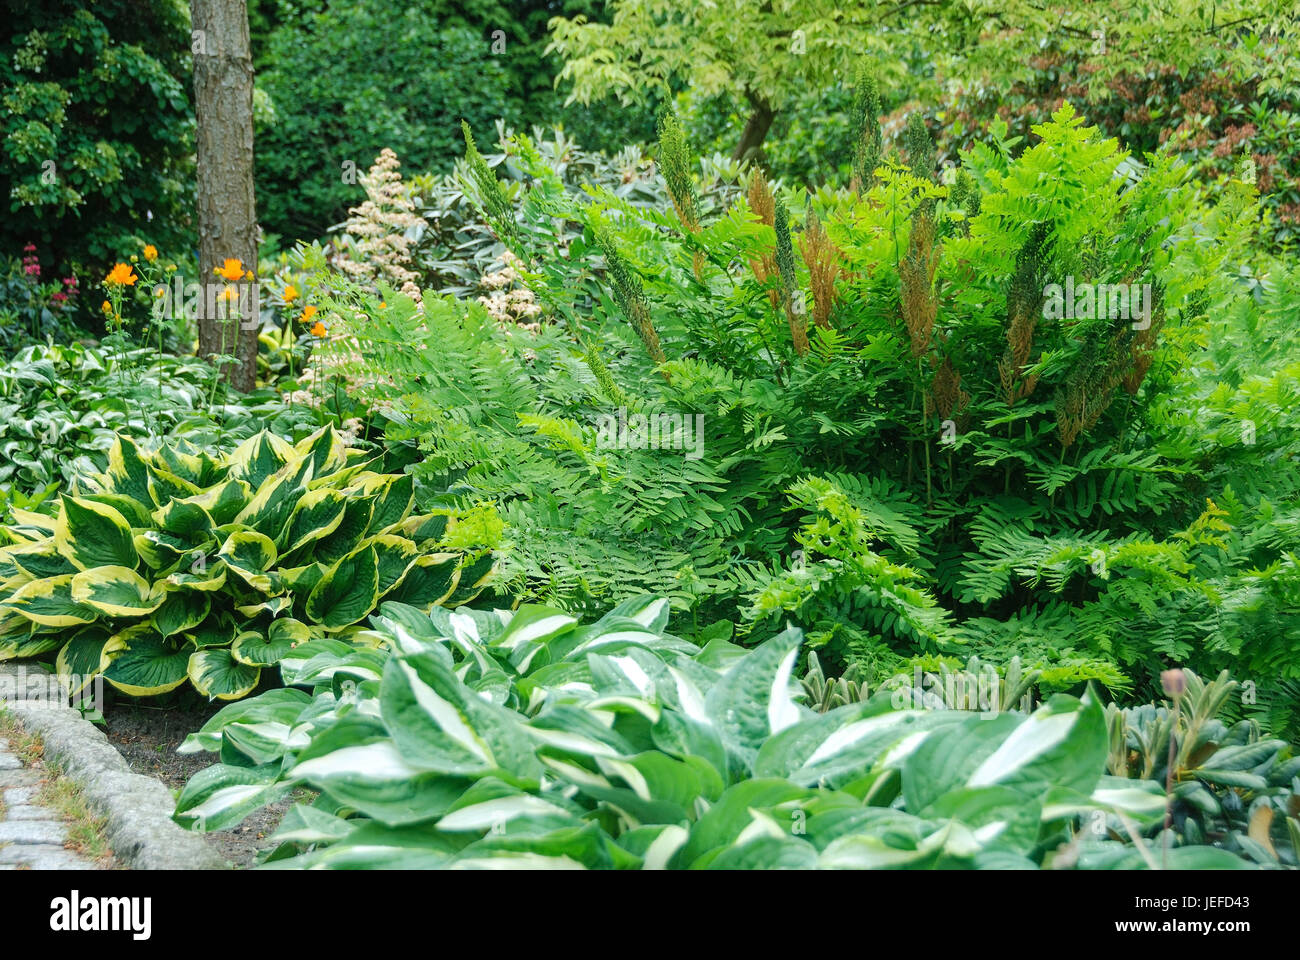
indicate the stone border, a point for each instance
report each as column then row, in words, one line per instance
column 137, row 809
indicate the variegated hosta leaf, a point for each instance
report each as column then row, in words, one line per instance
column 117, row 592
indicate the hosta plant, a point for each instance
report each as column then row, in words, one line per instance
column 63, row 405
column 176, row 565
column 528, row 739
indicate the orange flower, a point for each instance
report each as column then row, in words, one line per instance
column 290, row 294
column 318, row 329
column 307, row 313
column 106, row 307
column 233, row 269
column 150, row 252
column 229, row 293
column 121, row 276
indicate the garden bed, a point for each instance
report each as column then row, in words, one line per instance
column 147, row 738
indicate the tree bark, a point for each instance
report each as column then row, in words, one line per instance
column 223, row 98
column 756, row 127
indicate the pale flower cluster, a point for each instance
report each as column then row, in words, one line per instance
column 380, row 249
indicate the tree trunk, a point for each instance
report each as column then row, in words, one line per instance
column 756, row 127
column 223, row 99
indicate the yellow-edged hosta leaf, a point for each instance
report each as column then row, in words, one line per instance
column 210, row 576
column 430, row 580
column 274, row 606
column 217, row 675
column 93, row 534
column 325, row 449
column 150, row 665
column 164, row 551
column 224, row 501
column 393, row 495
column 35, row 560
column 266, row 649
column 347, row 592
column 116, row 591
column 165, row 486
column 85, row 656
column 128, row 471
column 251, row 556
column 474, row 576
column 317, row 515
column 395, row 554
column 27, row 518
column 259, row 457
column 49, row 602
column 181, row 610
column 184, row 518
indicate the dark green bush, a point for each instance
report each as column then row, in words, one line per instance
column 96, row 128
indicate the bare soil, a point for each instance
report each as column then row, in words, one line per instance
column 148, row 737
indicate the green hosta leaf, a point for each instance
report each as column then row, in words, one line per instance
column 92, row 534
column 181, row 610
column 429, row 581
column 86, row 656
column 487, row 732
column 395, row 556
column 205, row 577
column 1062, row 744
column 727, row 818
column 768, row 853
column 218, row 675
column 474, row 577
column 151, row 665
column 50, row 603
column 223, row 502
column 215, row 631
column 221, row 795
column 347, row 591
column 528, row 632
column 375, row 779
column 943, row 763
column 186, row 520
column 317, row 515
column 753, row 699
column 284, row 705
column 260, row 650
column 250, row 555
column 491, row 804
column 259, row 457
column 116, row 591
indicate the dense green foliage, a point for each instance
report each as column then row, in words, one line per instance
column 62, row 407
column 902, row 451
column 528, row 739
column 343, row 81
column 95, row 127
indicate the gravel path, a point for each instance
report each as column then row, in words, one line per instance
column 31, row 836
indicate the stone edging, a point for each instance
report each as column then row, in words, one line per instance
column 137, row 809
